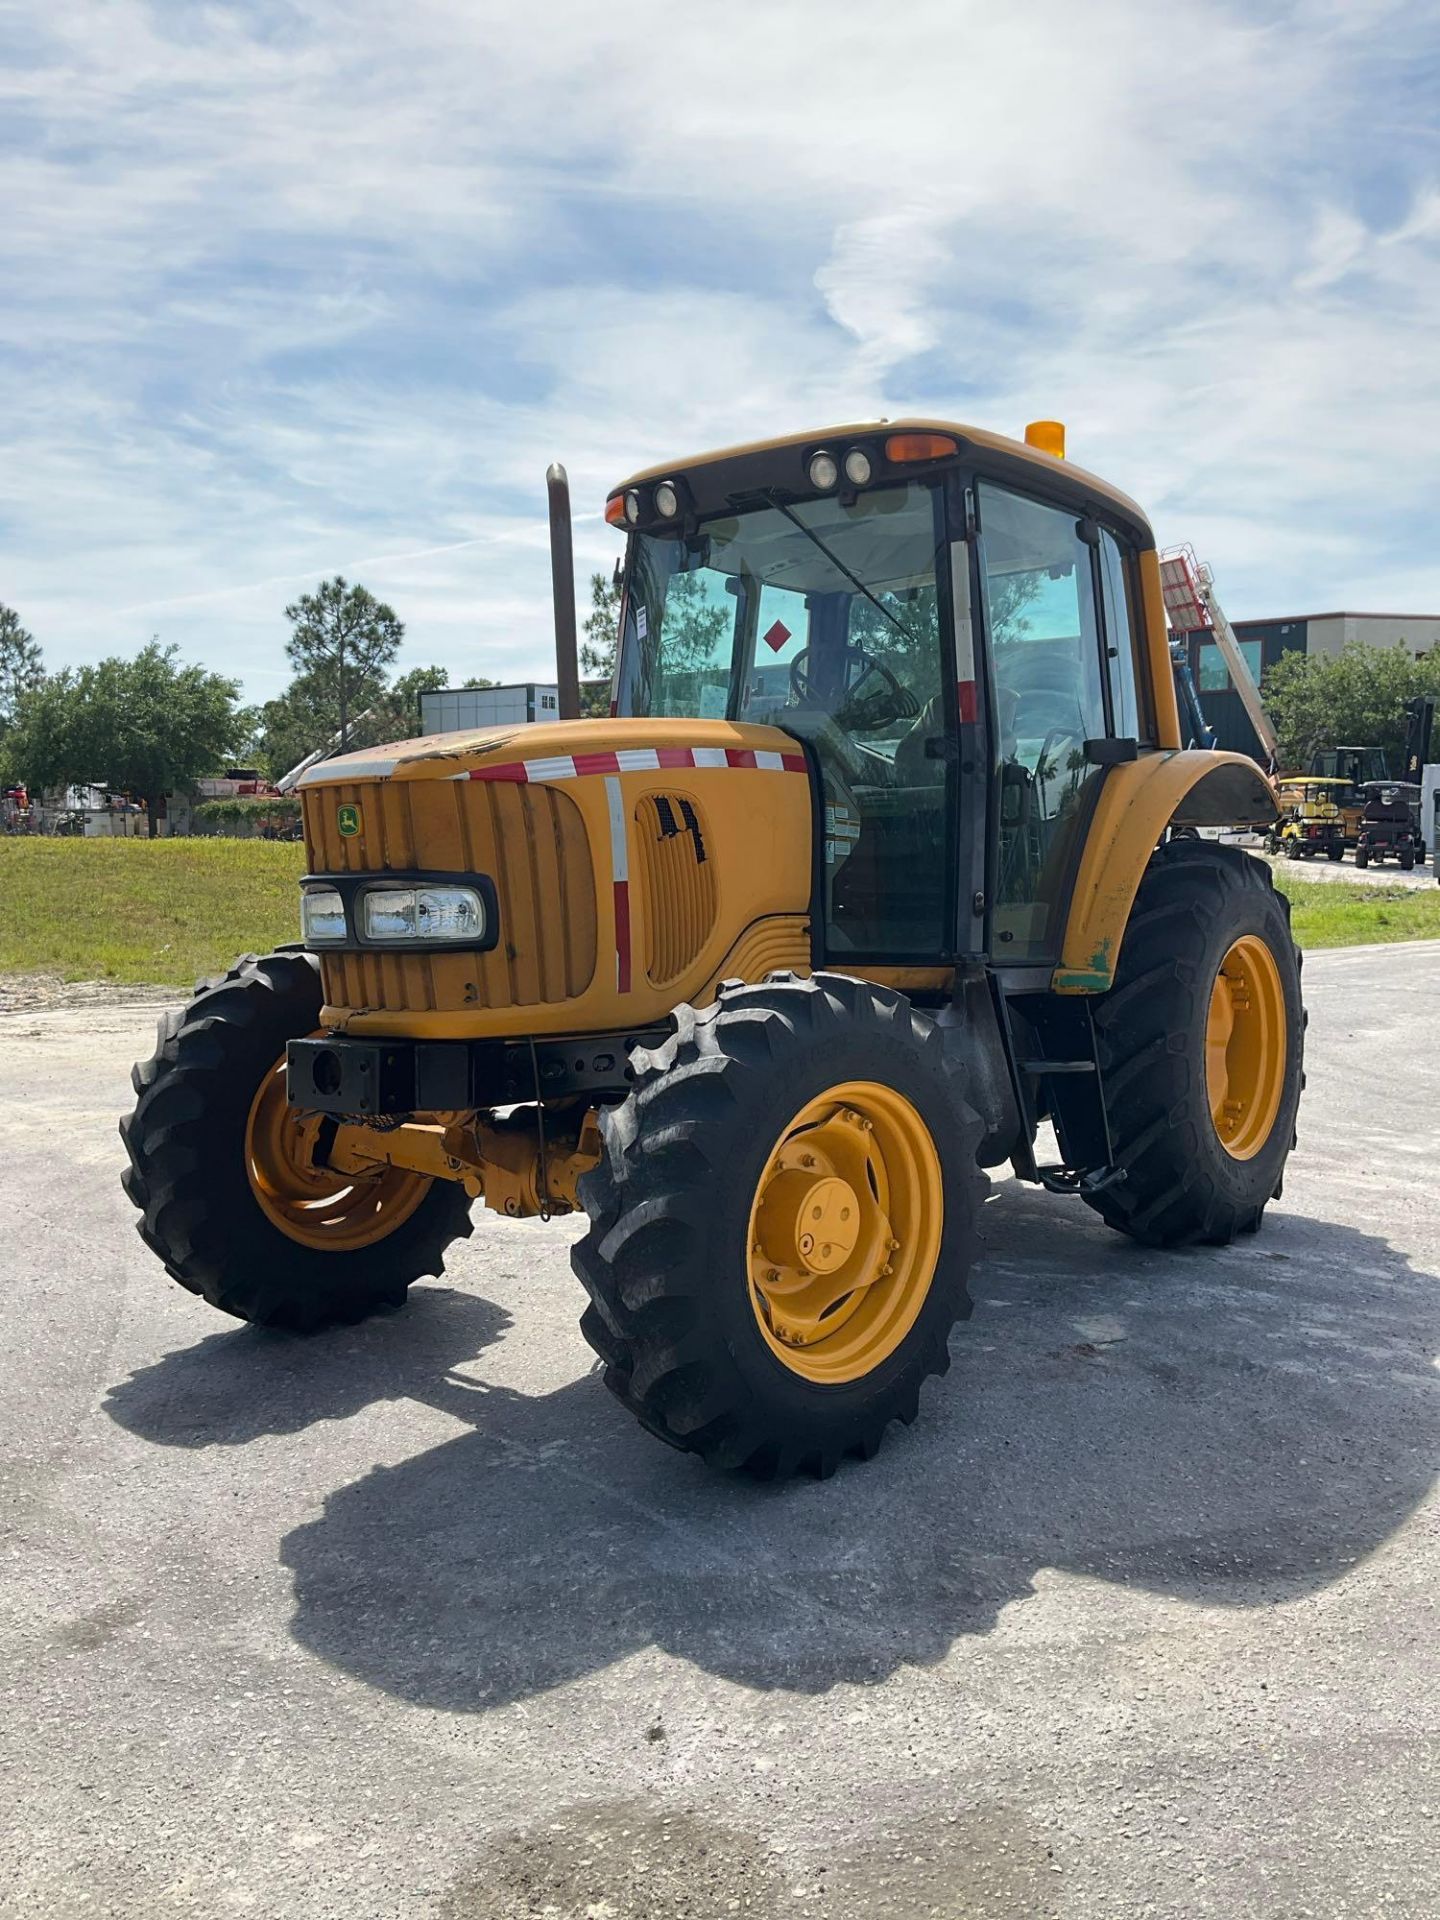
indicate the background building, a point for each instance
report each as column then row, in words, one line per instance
column 454, row 708
column 1263, row 642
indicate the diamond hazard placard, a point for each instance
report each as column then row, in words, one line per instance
column 777, row 636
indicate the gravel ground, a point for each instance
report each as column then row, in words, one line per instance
column 28, row 992
column 410, row 1620
column 1387, row 874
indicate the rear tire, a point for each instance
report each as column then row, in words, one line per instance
column 1362, row 856
column 1196, row 906
column 187, row 1142
column 675, row 1313
column 1407, row 862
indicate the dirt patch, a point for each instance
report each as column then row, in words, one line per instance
column 625, row 1861
column 35, row 992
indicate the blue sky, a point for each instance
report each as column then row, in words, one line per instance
column 292, row 289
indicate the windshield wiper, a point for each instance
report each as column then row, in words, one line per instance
column 840, row 567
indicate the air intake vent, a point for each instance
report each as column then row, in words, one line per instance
column 679, row 882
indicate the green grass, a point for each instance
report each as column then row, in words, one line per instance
column 1334, row 914
column 143, row 911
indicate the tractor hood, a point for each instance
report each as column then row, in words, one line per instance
column 628, row 865
column 565, row 750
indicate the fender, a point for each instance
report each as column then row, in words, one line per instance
column 1138, row 800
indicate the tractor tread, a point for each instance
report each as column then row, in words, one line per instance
column 652, row 1203
column 198, row 1218
column 1158, row 1113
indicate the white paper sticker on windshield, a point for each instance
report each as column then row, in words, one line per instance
column 642, row 624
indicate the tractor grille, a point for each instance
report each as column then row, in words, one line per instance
column 530, row 840
column 679, row 883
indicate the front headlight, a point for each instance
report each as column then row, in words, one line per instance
column 425, row 914
column 322, row 915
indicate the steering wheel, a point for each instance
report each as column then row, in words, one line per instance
column 857, row 710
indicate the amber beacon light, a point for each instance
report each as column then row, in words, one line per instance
column 1047, row 436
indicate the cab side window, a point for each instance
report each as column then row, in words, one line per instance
column 1046, row 660
column 1121, row 634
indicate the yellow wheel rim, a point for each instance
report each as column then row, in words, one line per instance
column 1246, row 1047
column 844, row 1232
column 319, row 1207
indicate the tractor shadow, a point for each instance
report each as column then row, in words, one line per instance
column 1234, row 1428
column 245, row 1383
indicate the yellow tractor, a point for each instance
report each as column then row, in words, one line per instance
column 886, row 855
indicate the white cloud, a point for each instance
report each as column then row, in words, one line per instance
column 299, row 288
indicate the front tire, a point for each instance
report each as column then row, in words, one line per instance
column 1200, row 1043
column 256, row 1235
column 825, row 1103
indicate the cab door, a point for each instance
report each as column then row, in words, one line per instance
column 1053, row 693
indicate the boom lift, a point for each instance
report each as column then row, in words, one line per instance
column 1192, row 604
column 1195, row 728
column 886, row 856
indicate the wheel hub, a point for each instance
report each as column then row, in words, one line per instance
column 844, row 1232
column 308, row 1200
column 809, row 1223
column 1245, row 1047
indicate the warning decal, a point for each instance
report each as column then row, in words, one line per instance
column 777, row 636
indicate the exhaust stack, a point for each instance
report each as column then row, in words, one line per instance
column 562, row 581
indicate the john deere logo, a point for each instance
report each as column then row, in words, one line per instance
column 349, row 820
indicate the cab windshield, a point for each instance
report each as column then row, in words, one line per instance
column 821, row 617
column 821, row 606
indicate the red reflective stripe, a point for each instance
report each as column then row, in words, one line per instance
column 512, row 770
column 666, row 757
column 622, row 935
column 968, row 706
